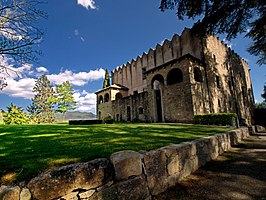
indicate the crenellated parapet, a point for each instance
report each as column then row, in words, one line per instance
column 132, row 74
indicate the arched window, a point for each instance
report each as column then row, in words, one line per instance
column 197, row 74
column 118, row 96
column 100, row 99
column 106, row 97
column 174, row 76
column 157, row 81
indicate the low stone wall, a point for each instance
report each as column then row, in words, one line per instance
column 127, row 174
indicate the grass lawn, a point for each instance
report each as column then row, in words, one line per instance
column 27, row 150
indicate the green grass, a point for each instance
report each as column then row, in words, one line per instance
column 27, row 150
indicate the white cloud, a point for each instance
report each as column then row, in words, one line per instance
column 76, row 32
column 41, row 70
column 85, row 101
column 77, row 79
column 89, row 4
column 82, row 39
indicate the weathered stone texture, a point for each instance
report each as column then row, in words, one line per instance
column 9, row 193
column 132, row 189
column 56, row 183
column 25, row 194
column 126, row 164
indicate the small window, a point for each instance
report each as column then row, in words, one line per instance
column 118, row 96
column 214, row 58
column 106, row 97
column 219, row 103
column 217, row 81
column 143, row 73
column 197, row 74
column 100, row 99
column 174, row 76
column 141, row 110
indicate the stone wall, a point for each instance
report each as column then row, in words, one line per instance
column 127, row 174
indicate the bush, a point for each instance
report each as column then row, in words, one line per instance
column 216, row 119
column 15, row 115
column 108, row 120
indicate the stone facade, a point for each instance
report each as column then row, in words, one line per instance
column 178, row 79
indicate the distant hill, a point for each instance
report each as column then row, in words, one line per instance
column 75, row 115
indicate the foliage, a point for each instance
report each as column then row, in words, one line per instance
column 216, row 119
column 19, row 33
column 45, row 146
column 261, row 105
column 264, row 94
column 42, row 102
column 230, row 17
column 108, row 120
column 64, row 98
column 15, row 115
column 106, row 82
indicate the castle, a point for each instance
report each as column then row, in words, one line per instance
column 184, row 76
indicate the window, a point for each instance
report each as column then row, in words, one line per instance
column 219, row 103
column 174, row 76
column 217, row 78
column 106, row 97
column 118, row 96
column 141, row 110
column 143, row 73
column 157, row 81
column 100, row 99
column 197, row 74
column 214, row 58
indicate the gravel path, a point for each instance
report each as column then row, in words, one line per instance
column 237, row 174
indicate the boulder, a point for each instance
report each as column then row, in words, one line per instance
column 9, row 193
column 56, row 183
column 126, row 164
column 25, row 194
column 132, row 189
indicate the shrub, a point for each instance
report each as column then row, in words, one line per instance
column 15, row 115
column 108, row 120
column 216, row 119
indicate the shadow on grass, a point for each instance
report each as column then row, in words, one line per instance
column 28, row 150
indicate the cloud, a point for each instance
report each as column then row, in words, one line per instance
column 41, row 70
column 77, row 79
column 76, row 32
column 88, row 4
column 85, row 101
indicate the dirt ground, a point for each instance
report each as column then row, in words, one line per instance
column 238, row 174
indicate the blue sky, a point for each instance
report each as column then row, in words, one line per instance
column 83, row 37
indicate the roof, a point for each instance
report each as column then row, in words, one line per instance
column 113, row 86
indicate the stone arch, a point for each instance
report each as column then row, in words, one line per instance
column 100, row 101
column 106, row 97
column 156, row 81
column 197, row 74
column 118, row 96
column 174, row 76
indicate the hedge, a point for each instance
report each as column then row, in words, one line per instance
column 216, row 119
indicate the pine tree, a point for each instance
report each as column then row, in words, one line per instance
column 42, row 102
column 64, row 98
column 106, row 82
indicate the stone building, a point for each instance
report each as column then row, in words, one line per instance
column 184, row 76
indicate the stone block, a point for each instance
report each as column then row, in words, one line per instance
column 71, row 196
column 155, row 168
column 126, row 164
column 59, row 182
column 132, row 189
column 9, row 193
column 86, row 195
column 191, row 165
column 25, row 194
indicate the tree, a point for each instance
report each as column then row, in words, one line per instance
column 19, row 32
column 231, row 17
column 15, row 115
column 264, row 94
column 42, row 102
column 64, row 98
column 106, row 82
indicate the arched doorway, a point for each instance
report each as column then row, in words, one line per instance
column 157, row 85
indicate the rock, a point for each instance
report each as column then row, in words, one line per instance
column 86, row 195
column 71, row 196
column 9, row 193
column 155, row 168
column 56, row 183
column 25, row 194
column 126, row 164
column 132, row 189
